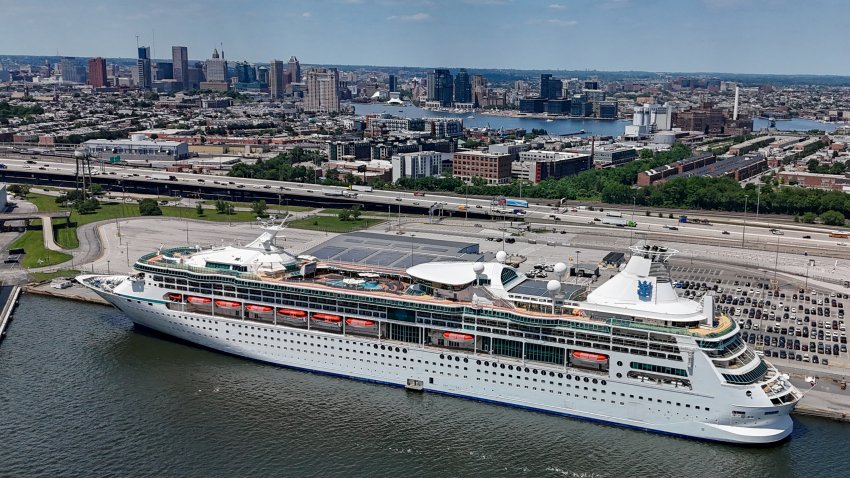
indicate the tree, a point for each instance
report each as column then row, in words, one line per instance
column 259, row 208
column 87, row 206
column 149, row 207
column 20, row 190
column 808, row 218
column 355, row 212
column 199, row 209
column 154, row 136
column 344, row 215
column 832, row 218
column 96, row 189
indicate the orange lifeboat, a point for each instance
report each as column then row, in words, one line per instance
column 329, row 318
column 457, row 337
column 227, row 304
column 589, row 356
column 174, row 297
column 259, row 308
column 298, row 314
column 359, row 322
column 198, row 300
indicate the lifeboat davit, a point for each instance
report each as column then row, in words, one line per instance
column 174, row 297
column 329, row 318
column 589, row 356
column 360, row 322
column 198, row 300
column 458, row 337
column 299, row 314
column 259, row 308
column 227, row 304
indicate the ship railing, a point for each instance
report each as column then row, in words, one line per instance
column 724, row 329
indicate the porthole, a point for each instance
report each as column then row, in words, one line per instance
column 595, row 381
column 503, row 365
column 619, row 375
column 383, row 347
column 619, row 363
column 586, row 379
column 526, row 369
column 534, row 371
column 478, row 362
column 486, row 364
column 510, row 367
column 442, row 356
column 465, row 360
column 604, row 382
column 457, row 359
column 560, row 375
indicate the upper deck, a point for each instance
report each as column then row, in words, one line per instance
column 359, row 281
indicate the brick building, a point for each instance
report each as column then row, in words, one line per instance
column 493, row 168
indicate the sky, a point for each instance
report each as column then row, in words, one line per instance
column 731, row 36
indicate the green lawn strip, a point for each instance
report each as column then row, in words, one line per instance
column 46, row 276
column 332, row 224
column 32, row 242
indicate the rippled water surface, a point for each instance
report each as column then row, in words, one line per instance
column 84, row 394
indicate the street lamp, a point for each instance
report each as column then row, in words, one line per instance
column 809, row 263
column 744, row 230
column 576, row 266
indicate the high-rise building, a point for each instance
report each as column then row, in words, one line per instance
column 293, row 70
column 262, row 74
column 216, row 68
column 393, row 83
column 180, row 60
column 440, row 87
column 97, row 72
column 276, row 79
column 142, row 73
column 322, row 90
column 245, row 72
column 162, row 70
column 550, row 88
column 463, row 87
column 479, row 91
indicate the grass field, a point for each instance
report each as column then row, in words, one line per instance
column 45, row 276
column 32, row 241
column 332, row 224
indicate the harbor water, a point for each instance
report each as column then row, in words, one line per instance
column 85, row 393
column 563, row 125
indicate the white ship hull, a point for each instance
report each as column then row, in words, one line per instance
column 554, row 389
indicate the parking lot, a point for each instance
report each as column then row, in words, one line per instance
column 793, row 324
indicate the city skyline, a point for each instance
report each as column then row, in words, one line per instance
column 545, row 34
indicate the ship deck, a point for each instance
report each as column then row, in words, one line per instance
column 375, row 281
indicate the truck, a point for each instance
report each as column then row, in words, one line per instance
column 461, row 207
column 362, row 189
column 418, row 193
column 614, row 221
column 516, row 202
column 332, row 192
column 613, row 214
column 159, row 177
column 838, row 235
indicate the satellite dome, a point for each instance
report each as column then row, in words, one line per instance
column 478, row 268
column 553, row 286
column 501, row 256
column 560, row 268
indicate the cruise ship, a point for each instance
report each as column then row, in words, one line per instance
column 630, row 353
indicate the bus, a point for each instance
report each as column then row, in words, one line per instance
column 838, row 235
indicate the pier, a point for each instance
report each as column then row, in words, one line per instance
column 9, row 298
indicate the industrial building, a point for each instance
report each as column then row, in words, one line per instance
column 750, row 145
column 137, row 147
column 648, row 119
column 738, row 168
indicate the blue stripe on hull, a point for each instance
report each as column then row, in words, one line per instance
column 469, row 397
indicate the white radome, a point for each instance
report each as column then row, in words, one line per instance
column 501, row 256
column 553, row 286
column 478, row 267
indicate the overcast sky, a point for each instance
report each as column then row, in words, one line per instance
column 739, row 36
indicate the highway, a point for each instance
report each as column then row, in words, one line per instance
column 727, row 230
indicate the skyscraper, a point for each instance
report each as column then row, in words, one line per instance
column 245, row 72
column 97, row 72
column 180, row 59
column 393, row 83
column 322, row 90
column 293, row 70
column 216, row 68
column 276, row 79
column 142, row 73
column 440, row 87
column 479, row 91
column 463, row 88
